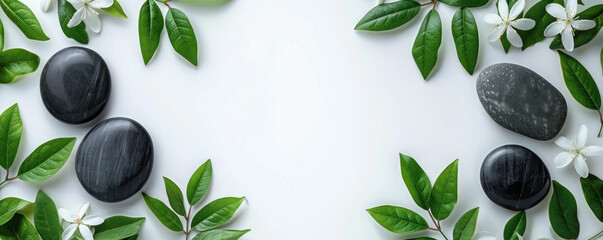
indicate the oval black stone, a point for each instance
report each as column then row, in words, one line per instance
column 514, row 177
column 115, row 159
column 75, row 85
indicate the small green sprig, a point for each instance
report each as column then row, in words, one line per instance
column 206, row 220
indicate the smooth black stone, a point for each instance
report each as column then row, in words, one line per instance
column 522, row 101
column 75, row 85
column 115, row 159
column 514, row 177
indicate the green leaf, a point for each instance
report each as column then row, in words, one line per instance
column 563, row 212
column 132, row 237
column 17, row 62
column 65, row 13
column 416, row 181
column 426, row 46
column 150, row 26
column 221, row 235
column 465, row 3
column 118, row 227
column 1, row 36
column 11, row 129
column 581, row 38
column 199, row 183
column 466, row 38
column 539, row 14
column 216, row 213
column 46, row 160
column 444, row 193
column 515, row 226
column 174, row 196
column 465, row 226
column 389, row 16
column 165, row 215
column 398, row 219
column 592, row 187
column 10, row 206
column 46, row 217
column 116, row 10
column 18, row 228
column 182, row 35
column 24, row 18
column 580, row 83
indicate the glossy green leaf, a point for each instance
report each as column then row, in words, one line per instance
column 581, row 38
column 150, row 26
column 17, row 62
column 165, row 215
column 46, row 217
column 18, row 228
column 416, row 181
column 465, row 226
column 398, row 219
column 175, row 196
column 542, row 18
column 389, row 16
column 199, row 183
column 118, row 227
column 11, row 129
column 1, row 36
column 116, row 10
column 65, row 13
column 466, row 38
column 132, row 237
column 216, row 213
column 515, row 226
column 563, row 212
column 580, row 83
column 444, row 193
column 592, row 187
column 10, row 206
column 46, row 160
column 24, row 18
column 465, row 3
column 182, row 35
column 426, row 46
column 221, row 235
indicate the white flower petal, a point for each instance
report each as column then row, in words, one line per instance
column 523, row 24
column 503, row 9
column 564, row 143
column 92, row 21
column 554, row 28
column 67, row 215
column 513, row 37
column 517, row 9
column 83, row 209
column 571, row 6
column 484, row 236
column 592, row 151
column 556, row 10
column 493, row 19
column 563, row 159
column 100, row 3
column 583, row 24
column 77, row 18
column 85, row 231
column 496, row 33
column 92, row 220
column 567, row 38
column 581, row 166
column 77, row 4
column 582, row 136
column 69, row 231
column 46, row 5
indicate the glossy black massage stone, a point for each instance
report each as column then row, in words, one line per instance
column 514, row 177
column 115, row 159
column 75, row 85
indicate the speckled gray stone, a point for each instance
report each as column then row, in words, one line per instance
column 522, row 101
column 115, row 159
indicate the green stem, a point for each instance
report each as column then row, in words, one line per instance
column 187, row 218
column 601, row 119
column 596, row 236
column 437, row 224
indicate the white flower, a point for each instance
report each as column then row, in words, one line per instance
column 79, row 221
column 46, row 4
column 566, row 23
column 506, row 21
column 87, row 11
column 576, row 152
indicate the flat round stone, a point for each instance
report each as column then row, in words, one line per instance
column 75, row 85
column 514, row 177
column 115, row 159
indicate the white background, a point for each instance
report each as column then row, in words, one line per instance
column 301, row 114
